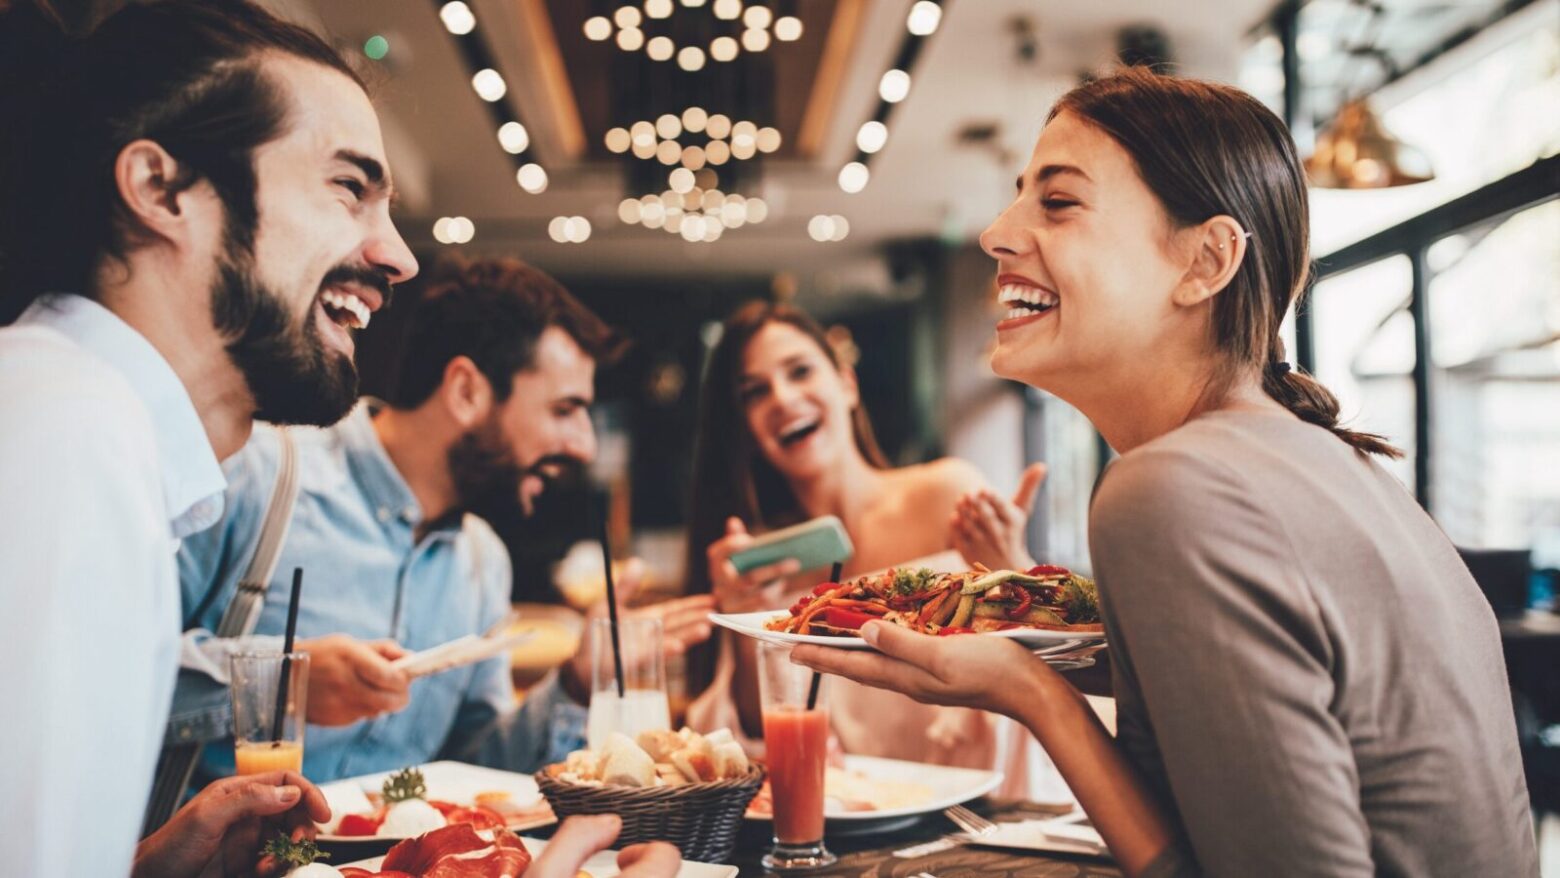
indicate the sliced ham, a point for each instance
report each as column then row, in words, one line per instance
column 456, row 852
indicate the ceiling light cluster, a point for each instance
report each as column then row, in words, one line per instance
column 697, row 214
column 628, row 27
column 894, row 86
column 569, row 229
column 722, row 139
column 490, row 86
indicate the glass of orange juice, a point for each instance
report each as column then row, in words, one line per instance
column 796, row 738
column 265, row 686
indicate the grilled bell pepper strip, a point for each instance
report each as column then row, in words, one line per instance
column 1025, row 599
column 846, row 618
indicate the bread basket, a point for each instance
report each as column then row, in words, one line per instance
column 702, row 819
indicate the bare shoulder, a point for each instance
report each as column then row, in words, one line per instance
column 939, row 482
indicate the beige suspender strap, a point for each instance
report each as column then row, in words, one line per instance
column 243, row 612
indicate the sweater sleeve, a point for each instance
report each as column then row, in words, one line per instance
column 1225, row 673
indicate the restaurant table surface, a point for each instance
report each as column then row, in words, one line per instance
column 872, row 854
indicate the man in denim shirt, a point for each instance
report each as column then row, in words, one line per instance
column 492, row 400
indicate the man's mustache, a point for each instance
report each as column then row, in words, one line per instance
column 366, row 275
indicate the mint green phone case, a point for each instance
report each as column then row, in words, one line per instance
column 816, row 543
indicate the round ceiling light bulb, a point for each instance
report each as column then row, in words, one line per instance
column 728, row 9
column 597, row 28
column 489, row 85
column 691, row 59
column 717, row 153
column 513, row 137
column 658, row 8
column 853, row 177
column 693, row 119
column 744, row 129
column 627, row 16
column 755, row 40
column 631, row 211
column 788, row 28
column 713, row 199
column 579, row 229
column 706, row 178
column 660, row 48
column 713, row 229
column 757, row 210
column 668, row 152
column 757, row 17
column 820, row 228
column 768, row 139
column 743, row 148
column 462, row 229
column 693, row 228
column 733, row 214
column 718, row 126
column 441, row 230
column 630, row 39
column 924, row 18
column 644, row 150
column 619, row 140
column 894, row 86
column 724, row 49
column 558, row 229
column 532, row 178
column 693, row 157
column 668, row 126
column 643, row 132
column 681, row 180
column 871, row 137
column 457, row 18
column 841, row 228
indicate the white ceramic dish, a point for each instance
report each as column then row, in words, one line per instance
column 454, row 782
column 1068, row 834
column 949, row 786
column 602, row 865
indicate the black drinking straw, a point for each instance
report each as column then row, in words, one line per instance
column 287, row 648
column 817, row 680
column 612, row 605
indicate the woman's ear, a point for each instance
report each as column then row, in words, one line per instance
column 465, row 392
column 1218, row 246
column 852, row 387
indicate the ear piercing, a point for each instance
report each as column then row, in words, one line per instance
column 1236, row 238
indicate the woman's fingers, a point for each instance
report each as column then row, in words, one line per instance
column 1029, row 485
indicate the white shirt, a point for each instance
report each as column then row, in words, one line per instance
column 104, row 466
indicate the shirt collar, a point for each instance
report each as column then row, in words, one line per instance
column 375, row 472
column 192, row 479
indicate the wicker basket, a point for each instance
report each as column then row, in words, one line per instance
column 702, row 819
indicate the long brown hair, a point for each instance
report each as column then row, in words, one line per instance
column 730, row 474
column 1205, row 150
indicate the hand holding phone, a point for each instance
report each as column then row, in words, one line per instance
column 813, row 544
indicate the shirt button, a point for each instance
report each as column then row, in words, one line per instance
column 384, row 514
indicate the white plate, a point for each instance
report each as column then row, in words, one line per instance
column 602, row 865
column 950, row 786
column 1068, row 834
column 752, row 625
column 455, row 782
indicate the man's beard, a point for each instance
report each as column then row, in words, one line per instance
column 486, row 476
column 293, row 377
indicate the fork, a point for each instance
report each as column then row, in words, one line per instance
column 973, row 824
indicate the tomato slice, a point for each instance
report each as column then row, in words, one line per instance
column 841, row 617
column 357, row 824
column 823, row 587
column 1049, row 570
column 954, row 629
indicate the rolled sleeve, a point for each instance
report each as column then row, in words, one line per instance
column 1225, row 673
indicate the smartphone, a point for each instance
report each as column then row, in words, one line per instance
column 816, row 543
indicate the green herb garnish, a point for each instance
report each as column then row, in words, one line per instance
column 1081, row 598
column 293, row 853
column 403, row 785
column 913, row 581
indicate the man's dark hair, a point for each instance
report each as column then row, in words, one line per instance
column 183, row 73
column 492, row 311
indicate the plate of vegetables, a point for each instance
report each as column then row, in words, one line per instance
column 1044, row 607
column 412, row 801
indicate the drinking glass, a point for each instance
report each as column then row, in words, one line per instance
column 643, row 705
column 260, row 742
column 796, row 738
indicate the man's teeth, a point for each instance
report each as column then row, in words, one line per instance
column 350, row 304
column 1023, row 300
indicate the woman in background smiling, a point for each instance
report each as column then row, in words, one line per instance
column 1308, row 679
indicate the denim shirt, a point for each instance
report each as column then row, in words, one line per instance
column 368, row 575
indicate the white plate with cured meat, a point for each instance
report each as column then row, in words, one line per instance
column 456, row 854
column 394, row 805
column 874, row 794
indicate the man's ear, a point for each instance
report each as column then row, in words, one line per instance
column 1218, row 246
column 465, row 392
column 148, row 180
